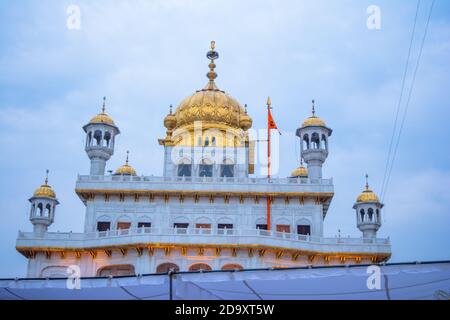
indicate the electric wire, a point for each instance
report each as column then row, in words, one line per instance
column 405, row 72
column 408, row 101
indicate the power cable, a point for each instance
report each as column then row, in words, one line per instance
column 405, row 72
column 408, row 100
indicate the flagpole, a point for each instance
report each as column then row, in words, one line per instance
column 268, row 160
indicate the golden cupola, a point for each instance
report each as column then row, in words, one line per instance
column 126, row 169
column 103, row 117
column 313, row 121
column 210, row 108
column 245, row 121
column 367, row 195
column 300, row 172
column 170, row 121
column 45, row 190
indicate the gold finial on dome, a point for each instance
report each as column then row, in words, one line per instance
column 104, row 105
column 367, row 195
column 212, row 75
column 367, row 181
column 126, row 170
column 213, row 107
column 45, row 190
column 103, row 117
column 313, row 121
column 268, row 101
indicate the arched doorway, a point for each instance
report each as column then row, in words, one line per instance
column 200, row 266
column 116, row 270
column 54, row 272
column 166, row 267
column 232, row 266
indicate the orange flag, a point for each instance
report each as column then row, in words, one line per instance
column 271, row 123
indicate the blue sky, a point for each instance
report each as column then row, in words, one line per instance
column 146, row 55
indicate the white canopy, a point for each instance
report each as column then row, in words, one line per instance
column 398, row 281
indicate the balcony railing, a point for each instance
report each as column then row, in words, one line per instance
column 236, row 180
column 203, row 232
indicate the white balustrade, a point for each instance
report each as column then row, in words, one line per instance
column 203, row 232
column 234, row 180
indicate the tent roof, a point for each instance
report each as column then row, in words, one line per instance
column 428, row 280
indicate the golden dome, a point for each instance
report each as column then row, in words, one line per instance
column 367, row 195
column 212, row 105
column 300, row 172
column 126, row 169
column 313, row 121
column 45, row 190
column 103, row 117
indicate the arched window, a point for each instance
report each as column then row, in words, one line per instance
column 206, row 141
column 203, row 223
column 232, row 266
column 200, row 266
column 324, row 143
column 370, row 212
column 107, row 139
column 166, row 267
column 227, row 168
column 261, row 224
column 123, row 223
column 40, row 210
column 184, row 168
column 144, row 222
column 89, row 139
column 361, row 212
column 103, row 223
column 378, row 215
column 116, row 270
column 206, row 168
column 304, row 229
column 181, row 224
column 224, row 226
column 98, row 137
column 103, row 226
column 199, row 141
column 315, row 140
column 213, row 141
column 33, row 209
column 48, row 209
column 305, row 142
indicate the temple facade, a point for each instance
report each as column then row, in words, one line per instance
column 208, row 211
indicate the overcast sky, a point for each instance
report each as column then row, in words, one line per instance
column 146, row 55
